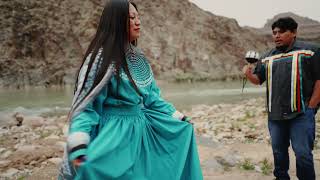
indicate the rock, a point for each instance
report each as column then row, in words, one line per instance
column 209, row 53
column 230, row 159
column 198, row 114
column 7, row 121
column 2, row 150
column 10, row 173
column 23, row 141
column 6, row 154
column 55, row 161
column 34, row 154
column 51, row 122
column 27, row 149
column 4, row 164
column 52, row 136
column 232, row 122
column 225, row 135
column 32, row 163
column 213, row 165
column 48, row 142
column 317, row 146
column 61, row 145
column 207, row 142
column 251, row 135
column 317, row 157
column 34, row 121
column 258, row 169
column 51, row 128
column 19, row 118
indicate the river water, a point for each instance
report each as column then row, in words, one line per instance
column 35, row 101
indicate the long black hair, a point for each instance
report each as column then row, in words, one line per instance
column 112, row 37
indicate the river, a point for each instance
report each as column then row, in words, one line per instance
column 34, row 101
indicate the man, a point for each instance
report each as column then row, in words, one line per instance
column 292, row 74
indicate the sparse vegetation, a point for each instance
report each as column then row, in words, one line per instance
column 1, row 140
column 44, row 134
column 266, row 167
column 21, row 178
column 249, row 114
column 252, row 125
column 247, row 165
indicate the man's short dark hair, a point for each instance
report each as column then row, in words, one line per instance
column 285, row 23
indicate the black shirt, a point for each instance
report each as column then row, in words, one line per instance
column 290, row 78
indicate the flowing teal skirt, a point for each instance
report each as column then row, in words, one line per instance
column 141, row 144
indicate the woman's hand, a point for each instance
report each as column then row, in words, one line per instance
column 78, row 161
column 187, row 119
column 181, row 117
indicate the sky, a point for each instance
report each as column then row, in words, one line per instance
column 255, row 13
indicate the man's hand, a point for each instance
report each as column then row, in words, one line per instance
column 251, row 57
column 248, row 70
column 315, row 98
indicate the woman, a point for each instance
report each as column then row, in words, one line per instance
column 120, row 127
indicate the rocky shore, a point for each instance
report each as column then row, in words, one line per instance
column 233, row 143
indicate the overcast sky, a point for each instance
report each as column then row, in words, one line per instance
column 256, row 12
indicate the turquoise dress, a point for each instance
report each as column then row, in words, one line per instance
column 135, row 136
